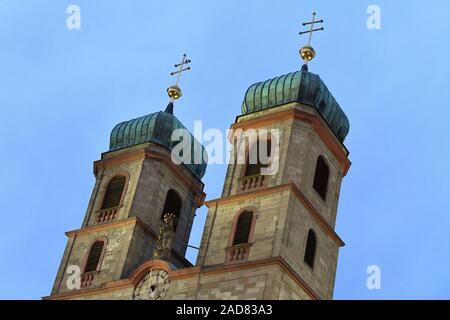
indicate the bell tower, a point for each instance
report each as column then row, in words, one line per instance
column 271, row 235
column 137, row 182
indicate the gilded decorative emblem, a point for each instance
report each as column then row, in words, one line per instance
column 165, row 237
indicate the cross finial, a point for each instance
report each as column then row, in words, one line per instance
column 307, row 52
column 174, row 91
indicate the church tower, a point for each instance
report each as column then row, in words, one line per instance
column 276, row 232
column 271, row 234
column 137, row 182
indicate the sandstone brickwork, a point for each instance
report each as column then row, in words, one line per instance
column 285, row 208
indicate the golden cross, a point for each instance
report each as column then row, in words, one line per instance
column 174, row 91
column 311, row 30
column 184, row 61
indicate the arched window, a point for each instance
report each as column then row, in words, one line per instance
column 242, row 231
column 173, row 206
column 95, row 253
column 113, row 193
column 310, row 251
column 254, row 161
column 321, row 177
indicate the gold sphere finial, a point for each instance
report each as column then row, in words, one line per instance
column 174, row 92
column 307, row 53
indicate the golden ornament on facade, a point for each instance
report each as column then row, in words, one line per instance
column 165, row 237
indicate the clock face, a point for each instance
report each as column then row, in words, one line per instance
column 153, row 286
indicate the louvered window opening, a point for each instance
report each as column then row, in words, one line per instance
column 255, row 168
column 242, row 233
column 113, row 193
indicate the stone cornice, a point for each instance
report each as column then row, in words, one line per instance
column 296, row 191
column 269, row 116
column 106, row 226
column 186, row 273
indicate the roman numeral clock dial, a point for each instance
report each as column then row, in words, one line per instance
column 153, row 286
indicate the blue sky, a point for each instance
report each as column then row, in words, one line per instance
column 62, row 91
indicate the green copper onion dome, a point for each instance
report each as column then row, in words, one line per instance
column 157, row 128
column 303, row 87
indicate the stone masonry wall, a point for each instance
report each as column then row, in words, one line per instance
column 118, row 241
column 268, row 283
